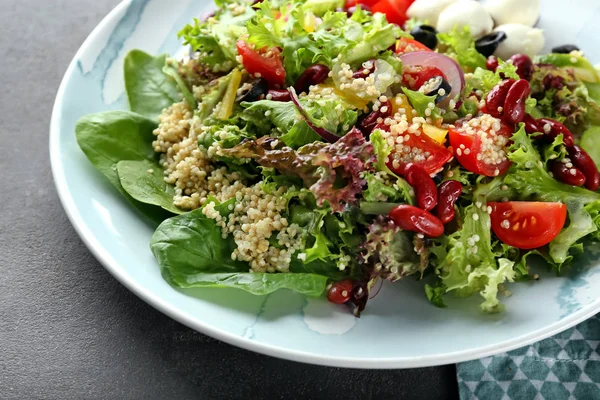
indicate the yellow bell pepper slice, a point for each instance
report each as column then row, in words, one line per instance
column 437, row 134
column 401, row 102
column 226, row 108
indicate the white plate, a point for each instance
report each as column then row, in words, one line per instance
column 399, row 328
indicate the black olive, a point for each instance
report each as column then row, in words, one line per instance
column 433, row 86
column 488, row 44
column 259, row 88
column 565, row 49
column 425, row 34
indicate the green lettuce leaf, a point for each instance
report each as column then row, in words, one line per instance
column 485, row 80
column 466, row 263
column 460, row 45
column 216, row 37
column 171, row 70
column 590, row 142
column 584, row 70
column 530, row 180
column 421, row 102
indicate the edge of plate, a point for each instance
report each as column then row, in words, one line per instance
column 155, row 301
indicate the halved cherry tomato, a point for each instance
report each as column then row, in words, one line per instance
column 416, row 76
column 353, row 3
column 406, row 45
column 394, row 10
column 438, row 156
column 479, row 155
column 527, row 224
column 269, row 67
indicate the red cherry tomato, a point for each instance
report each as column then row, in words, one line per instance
column 268, row 63
column 394, row 10
column 406, row 45
column 476, row 152
column 432, row 156
column 416, row 76
column 526, row 224
column 340, row 292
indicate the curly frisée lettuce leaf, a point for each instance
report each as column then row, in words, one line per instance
column 384, row 77
column 191, row 253
column 390, row 251
column 531, row 181
column 294, row 132
column 332, row 172
column 216, row 37
column 583, row 69
column 465, row 261
column 485, row 80
column 312, row 32
column 460, row 45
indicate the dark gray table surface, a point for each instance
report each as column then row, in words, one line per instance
column 68, row 330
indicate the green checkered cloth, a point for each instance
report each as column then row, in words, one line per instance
column 565, row 366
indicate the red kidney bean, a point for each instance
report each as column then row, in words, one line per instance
column 340, row 292
column 448, row 193
column 582, row 161
column 497, row 96
column 524, row 65
column 531, row 125
column 368, row 122
column 571, row 176
column 514, row 104
column 312, row 75
column 366, row 69
column 491, row 63
column 425, row 190
column 411, row 218
column 279, row 95
column 556, row 128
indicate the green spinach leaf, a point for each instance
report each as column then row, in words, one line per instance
column 191, row 253
column 149, row 89
column 109, row 137
column 144, row 181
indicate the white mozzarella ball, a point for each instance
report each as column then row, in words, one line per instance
column 428, row 10
column 463, row 13
column 519, row 39
column 525, row 12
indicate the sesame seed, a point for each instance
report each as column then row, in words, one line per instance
column 476, row 217
column 505, row 224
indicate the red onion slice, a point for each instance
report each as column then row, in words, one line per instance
column 449, row 67
column 324, row 133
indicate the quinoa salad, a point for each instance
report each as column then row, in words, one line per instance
column 325, row 147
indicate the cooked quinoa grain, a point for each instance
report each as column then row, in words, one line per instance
column 256, row 216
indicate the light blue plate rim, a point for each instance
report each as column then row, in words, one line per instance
column 107, row 260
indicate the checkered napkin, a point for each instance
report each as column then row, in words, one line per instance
column 565, row 366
